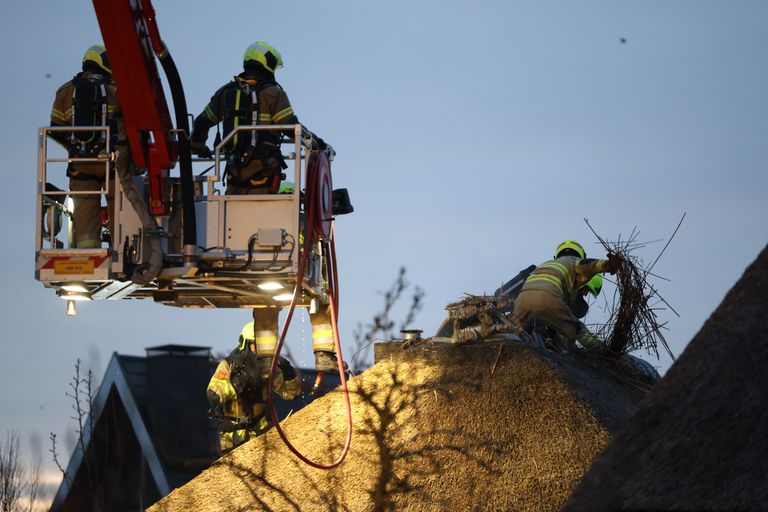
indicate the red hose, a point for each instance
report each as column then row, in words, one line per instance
column 313, row 216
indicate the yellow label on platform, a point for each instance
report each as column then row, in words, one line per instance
column 73, row 267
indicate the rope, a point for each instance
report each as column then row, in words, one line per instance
column 314, row 216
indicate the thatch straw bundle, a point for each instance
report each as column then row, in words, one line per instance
column 478, row 316
column 633, row 323
column 494, row 426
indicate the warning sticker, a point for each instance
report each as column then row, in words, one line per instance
column 71, row 267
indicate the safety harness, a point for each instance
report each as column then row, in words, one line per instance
column 235, row 423
column 241, row 108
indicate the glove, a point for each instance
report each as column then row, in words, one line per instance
column 289, row 373
column 613, row 263
column 321, row 143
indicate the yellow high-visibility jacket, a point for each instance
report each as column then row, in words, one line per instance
column 564, row 276
column 233, row 406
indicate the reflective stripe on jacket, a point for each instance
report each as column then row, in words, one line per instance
column 564, row 276
column 274, row 108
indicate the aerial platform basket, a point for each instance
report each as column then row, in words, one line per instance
column 248, row 246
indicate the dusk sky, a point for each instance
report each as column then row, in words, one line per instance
column 473, row 138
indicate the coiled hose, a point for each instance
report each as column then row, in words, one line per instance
column 314, row 215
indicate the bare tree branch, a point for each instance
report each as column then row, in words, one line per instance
column 19, row 483
column 382, row 324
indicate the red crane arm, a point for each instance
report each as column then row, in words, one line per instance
column 125, row 27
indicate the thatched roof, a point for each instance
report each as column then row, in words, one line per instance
column 699, row 440
column 494, row 426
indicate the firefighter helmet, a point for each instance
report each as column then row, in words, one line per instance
column 264, row 54
column 98, row 55
column 573, row 246
column 246, row 335
column 594, row 285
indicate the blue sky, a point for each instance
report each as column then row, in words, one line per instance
column 473, row 137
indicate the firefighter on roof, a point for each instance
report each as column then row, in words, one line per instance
column 254, row 161
column 237, row 391
column 89, row 99
column 552, row 289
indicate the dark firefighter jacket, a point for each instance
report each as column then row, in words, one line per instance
column 274, row 108
column 248, row 164
column 61, row 115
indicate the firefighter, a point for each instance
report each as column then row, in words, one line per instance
column 254, row 161
column 550, row 291
column 237, row 391
column 89, row 99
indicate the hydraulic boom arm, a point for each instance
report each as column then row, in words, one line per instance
column 147, row 120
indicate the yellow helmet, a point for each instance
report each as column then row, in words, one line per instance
column 265, row 54
column 98, row 55
column 573, row 246
column 246, row 335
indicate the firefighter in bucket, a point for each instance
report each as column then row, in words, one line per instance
column 254, row 162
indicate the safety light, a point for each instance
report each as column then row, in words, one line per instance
column 73, row 296
column 74, row 287
column 270, row 285
column 283, row 297
column 71, row 311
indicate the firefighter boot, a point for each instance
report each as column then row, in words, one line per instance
column 322, row 339
column 326, row 361
column 265, row 331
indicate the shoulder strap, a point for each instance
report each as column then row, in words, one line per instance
column 103, row 101
column 254, row 115
column 260, row 86
column 75, row 81
column 254, row 92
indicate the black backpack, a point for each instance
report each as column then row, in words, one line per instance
column 89, row 108
column 245, row 375
column 241, row 108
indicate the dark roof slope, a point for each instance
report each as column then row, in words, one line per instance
column 149, row 433
column 494, row 426
column 699, row 440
